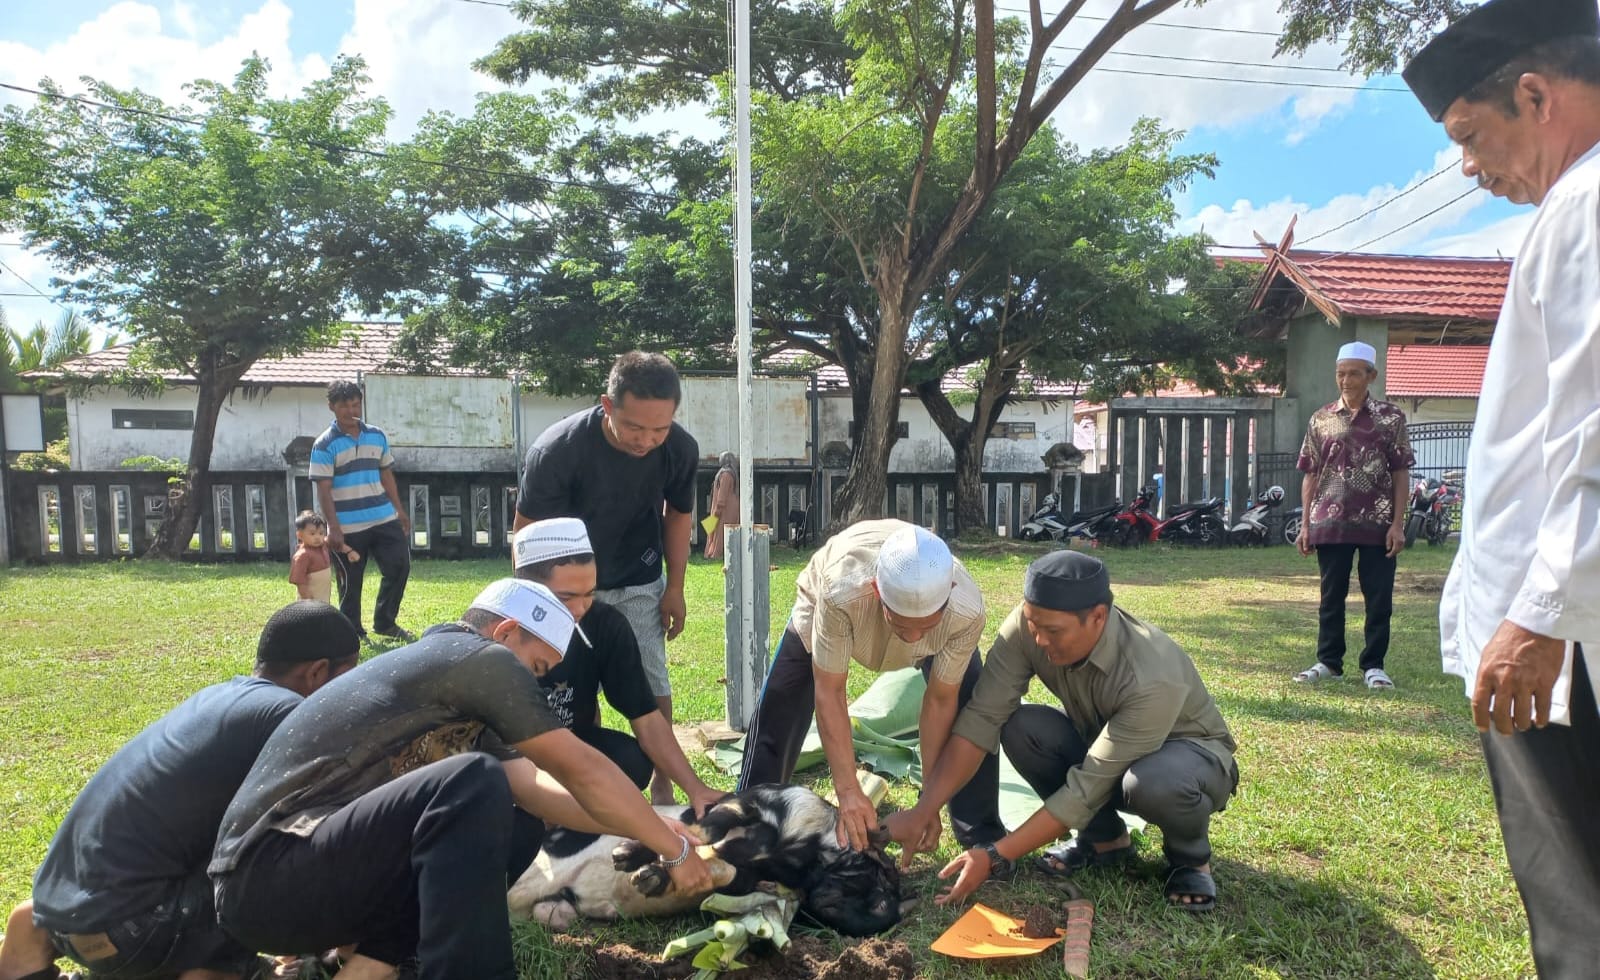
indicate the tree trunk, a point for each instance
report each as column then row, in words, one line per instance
column 186, row 500
column 867, row 484
column 967, row 438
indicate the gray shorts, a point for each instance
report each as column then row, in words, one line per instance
column 641, row 604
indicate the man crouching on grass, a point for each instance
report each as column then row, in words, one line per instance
column 1137, row 731
column 123, row 889
column 381, row 813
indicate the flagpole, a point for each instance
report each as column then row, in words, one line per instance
column 742, row 321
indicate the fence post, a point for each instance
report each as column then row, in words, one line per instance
column 746, row 669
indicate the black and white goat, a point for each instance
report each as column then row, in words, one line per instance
column 769, row 833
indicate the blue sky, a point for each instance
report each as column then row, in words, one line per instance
column 1325, row 154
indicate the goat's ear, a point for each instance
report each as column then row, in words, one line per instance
column 879, row 838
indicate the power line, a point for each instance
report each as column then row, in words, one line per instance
column 1381, row 205
column 1419, row 218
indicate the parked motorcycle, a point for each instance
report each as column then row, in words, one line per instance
column 1046, row 523
column 1094, row 525
column 1196, row 522
column 1132, row 524
column 1433, row 506
column 1251, row 528
column 1291, row 524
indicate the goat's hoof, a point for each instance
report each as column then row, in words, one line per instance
column 651, row 880
column 631, row 856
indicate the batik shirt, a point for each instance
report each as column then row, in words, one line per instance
column 1354, row 456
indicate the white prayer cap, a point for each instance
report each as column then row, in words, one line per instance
column 534, row 607
column 546, row 540
column 1357, row 351
column 915, row 572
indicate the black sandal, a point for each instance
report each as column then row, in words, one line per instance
column 1191, row 883
column 1077, row 854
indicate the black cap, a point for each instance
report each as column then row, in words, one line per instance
column 1068, row 581
column 307, row 630
column 1489, row 38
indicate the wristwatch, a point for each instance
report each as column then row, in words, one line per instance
column 998, row 864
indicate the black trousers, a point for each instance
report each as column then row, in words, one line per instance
column 178, row 935
column 1376, row 574
column 621, row 748
column 783, row 716
column 387, row 545
column 1177, row 787
column 1547, row 791
column 417, row 867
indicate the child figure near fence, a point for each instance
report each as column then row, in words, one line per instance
column 311, row 569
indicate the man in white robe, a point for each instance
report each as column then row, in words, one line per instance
column 1517, row 84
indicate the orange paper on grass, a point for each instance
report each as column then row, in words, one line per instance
column 984, row 934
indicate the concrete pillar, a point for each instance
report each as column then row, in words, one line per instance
column 746, row 668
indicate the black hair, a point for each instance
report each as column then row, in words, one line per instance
column 539, row 571
column 643, row 375
column 484, row 620
column 1573, row 58
column 343, row 391
column 277, row 670
column 309, row 518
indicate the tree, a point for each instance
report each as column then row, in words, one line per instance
column 1073, row 274
column 559, row 245
column 891, row 122
column 214, row 233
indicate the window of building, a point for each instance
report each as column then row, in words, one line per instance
column 222, row 518
column 122, row 520
column 255, row 508
column 152, row 418
column 481, row 519
column 50, row 520
column 1013, row 430
column 419, row 517
column 88, row 518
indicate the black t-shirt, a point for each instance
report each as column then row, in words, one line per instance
column 149, row 817
column 572, row 471
column 393, row 714
column 611, row 665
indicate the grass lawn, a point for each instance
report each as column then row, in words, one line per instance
column 1362, row 843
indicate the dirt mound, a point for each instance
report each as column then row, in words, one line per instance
column 807, row 958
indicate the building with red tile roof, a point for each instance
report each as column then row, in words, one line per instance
column 1430, row 318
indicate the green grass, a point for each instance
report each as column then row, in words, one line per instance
column 1362, row 843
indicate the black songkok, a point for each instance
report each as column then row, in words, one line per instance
column 1067, row 581
column 307, row 630
column 1488, row 39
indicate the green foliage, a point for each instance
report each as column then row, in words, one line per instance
column 57, row 456
column 154, row 464
column 234, row 227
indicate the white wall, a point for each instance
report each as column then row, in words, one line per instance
column 926, row 450
column 251, row 433
column 463, row 424
column 1438, row 409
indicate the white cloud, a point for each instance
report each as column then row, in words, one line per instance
column 1101, row 109
column 1502, row 238
column 420, row 53
column 130, row 46
column 1407, row 224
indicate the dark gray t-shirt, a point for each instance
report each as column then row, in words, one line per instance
column 149, row 817
column 572, row 471
column 450, row 692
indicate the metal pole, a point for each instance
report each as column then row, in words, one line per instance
column 742, row 321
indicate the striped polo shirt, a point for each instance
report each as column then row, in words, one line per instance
column 354, row 465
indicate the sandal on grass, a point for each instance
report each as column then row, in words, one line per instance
column 1194, row 884
column 1077, row 854
column 1378, row 680
column 1316, row 672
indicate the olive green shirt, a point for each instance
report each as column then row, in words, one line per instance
column 1136, row 690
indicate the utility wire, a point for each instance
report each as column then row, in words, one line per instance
column 1381, row 205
